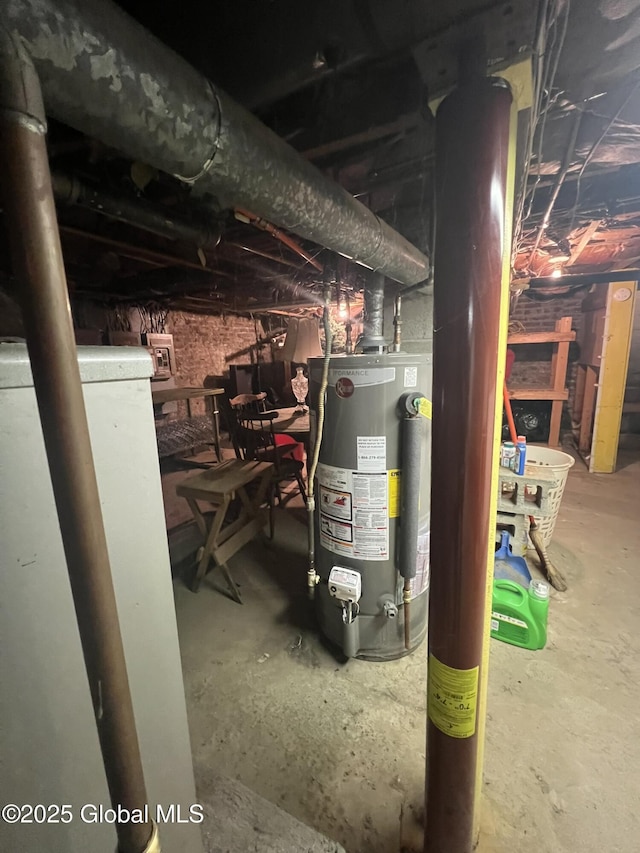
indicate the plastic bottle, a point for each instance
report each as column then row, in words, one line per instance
column 521, row 455
column 508, row 454
column 518, row 615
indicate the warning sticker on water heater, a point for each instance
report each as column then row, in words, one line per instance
column 354, row 512
column 372, row 452
column 337, row 504
column 337, row 532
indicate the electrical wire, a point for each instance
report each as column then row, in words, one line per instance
column 547, row 58
column 562, row 173
column 595, row 147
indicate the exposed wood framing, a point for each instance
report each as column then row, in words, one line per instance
column 613, row 376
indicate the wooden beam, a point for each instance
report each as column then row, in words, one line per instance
column 538, row 394
column 540, row 337
column 613, row 376
column 587, row 236
column 561, row 355
column 400, row 125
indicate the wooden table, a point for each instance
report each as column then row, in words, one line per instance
column 218, row 486
column 295, row 424
column 172, row 395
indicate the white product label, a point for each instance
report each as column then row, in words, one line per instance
column 334, row 478
column 370, row 491
column 354, row 512
column 410, row 377
column 510, row 619
column 363, row 377
column 372, row 453
column 495, row 625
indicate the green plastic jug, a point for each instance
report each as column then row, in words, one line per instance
column 519, row 615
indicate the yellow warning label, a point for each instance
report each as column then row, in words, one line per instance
column 424, row 407
column 452, row 698
column 394, row 493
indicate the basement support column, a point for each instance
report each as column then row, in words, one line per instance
column 472, row 145
column 28, row 205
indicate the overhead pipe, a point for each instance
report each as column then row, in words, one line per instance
column 472, row 142
column 141, row 253
column 28, row 202
column 70, row 190
column 285, row 239
column 105, row 75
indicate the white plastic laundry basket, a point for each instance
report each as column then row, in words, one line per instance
column 542, row 461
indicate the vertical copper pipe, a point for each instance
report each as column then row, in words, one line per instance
column 29, row 213
column 472, row 137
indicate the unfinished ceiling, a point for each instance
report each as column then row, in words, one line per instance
column 348, row 84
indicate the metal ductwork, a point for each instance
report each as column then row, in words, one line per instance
column 372, row 339
column 105, row 75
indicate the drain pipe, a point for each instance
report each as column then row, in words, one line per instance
column 27, row 200
column 105, row 75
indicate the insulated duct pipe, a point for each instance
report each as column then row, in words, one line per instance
column 70, row 190
column 372, row 339
column 105, row 75
column 411, row 435
column 30, row 215
column 472, row 143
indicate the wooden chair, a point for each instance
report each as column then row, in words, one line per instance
column 257, row 440
column 250, row 404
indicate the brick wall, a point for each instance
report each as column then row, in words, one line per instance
column 532, row 367
column 206, row 345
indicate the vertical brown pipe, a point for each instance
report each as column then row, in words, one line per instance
column 472, row 137
column 29, row 213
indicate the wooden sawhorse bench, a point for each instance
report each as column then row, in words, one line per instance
column 219, row 486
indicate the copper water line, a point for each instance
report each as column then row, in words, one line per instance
column 30, row 216
column 280, row 235
column 472, row 138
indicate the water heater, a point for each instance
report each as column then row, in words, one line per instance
column 359, row 526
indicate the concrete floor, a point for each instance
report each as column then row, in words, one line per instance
column 341, row 747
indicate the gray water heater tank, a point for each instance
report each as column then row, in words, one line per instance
column 358, row 520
